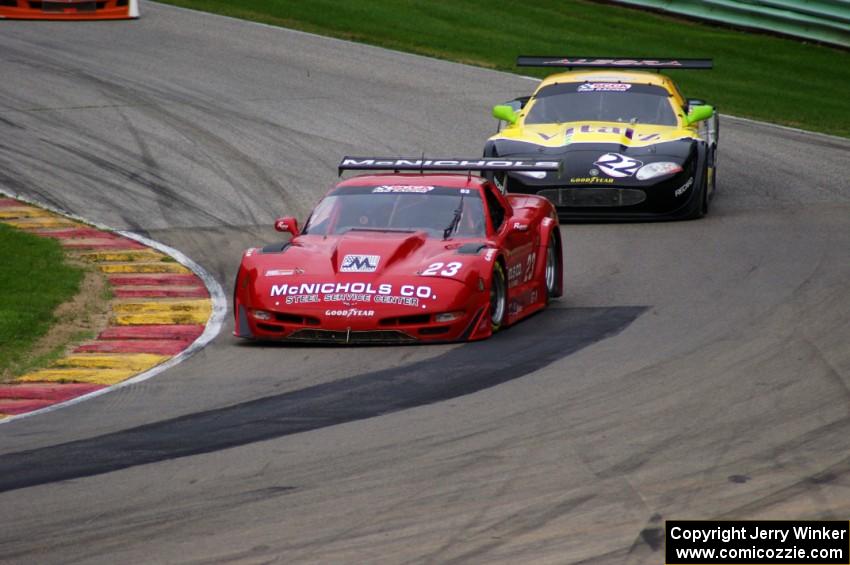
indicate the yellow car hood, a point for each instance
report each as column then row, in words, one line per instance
column 560, row 135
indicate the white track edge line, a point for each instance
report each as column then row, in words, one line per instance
column 787, row 128
column 211, row 330
column 526, row 77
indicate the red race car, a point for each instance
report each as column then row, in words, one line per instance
column 405, row 257
column 69, row 9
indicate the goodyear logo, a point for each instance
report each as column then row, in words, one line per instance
column 591, row 180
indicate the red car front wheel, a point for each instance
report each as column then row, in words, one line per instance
column 498, row 297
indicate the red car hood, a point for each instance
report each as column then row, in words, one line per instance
column 367, row 255
column 378, row 271
column 371, row 252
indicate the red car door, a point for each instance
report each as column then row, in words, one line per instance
column 514, row 235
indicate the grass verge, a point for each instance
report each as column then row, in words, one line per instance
column 43, row 303
column 758, row 76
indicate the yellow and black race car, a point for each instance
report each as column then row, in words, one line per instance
column 633, row 147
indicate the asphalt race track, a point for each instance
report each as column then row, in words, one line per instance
column 692, row 370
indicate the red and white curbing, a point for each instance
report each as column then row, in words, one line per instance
column 166, row 307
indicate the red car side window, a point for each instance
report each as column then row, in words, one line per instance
column 495, row 209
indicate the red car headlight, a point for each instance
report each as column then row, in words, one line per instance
column 261, row 314
column 448, row 317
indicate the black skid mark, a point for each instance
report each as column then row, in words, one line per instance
column 531, row 345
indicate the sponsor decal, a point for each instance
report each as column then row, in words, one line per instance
column 305, row 299
column 615, row 62
column 592, row 180
column 284, row 272
column 419, row 291
column 604, row 87
column 514, row 273
column 546, row 137
column 523, row 301
column 682, row 189
column 281, row 225
column 408, row 164
column 403, row 188
column 347, row 298
column 546, row 222
column 350, row 313
column 628, row 132
column 519, row 226
column 330, row 288
column 399, row 300
column 489, row 255
column 616, row 165
column 351, row 292
column 359, row 263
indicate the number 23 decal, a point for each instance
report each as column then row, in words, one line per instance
column 529, row 266
column 450, row 270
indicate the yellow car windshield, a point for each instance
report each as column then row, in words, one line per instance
column 601, row 102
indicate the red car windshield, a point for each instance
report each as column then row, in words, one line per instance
column 602, row 102
column 398, row 207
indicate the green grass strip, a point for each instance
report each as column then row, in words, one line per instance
column 34, row 280
column 757, row 76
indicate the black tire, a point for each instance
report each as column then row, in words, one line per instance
column 552, row 270
column 713, row 190
column 703, row 198
column 498, row 298
column 699, row 205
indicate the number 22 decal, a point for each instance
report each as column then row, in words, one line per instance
column 450, row 270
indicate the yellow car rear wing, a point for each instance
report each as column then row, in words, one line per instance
column 612, row 62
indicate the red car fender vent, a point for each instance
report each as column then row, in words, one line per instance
column 61, row 6
column 434, row 330
column 413, row 320
column 354, row 337
column 471, row 248
column 296, row 319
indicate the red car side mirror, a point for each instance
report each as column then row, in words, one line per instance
column 287, row 224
